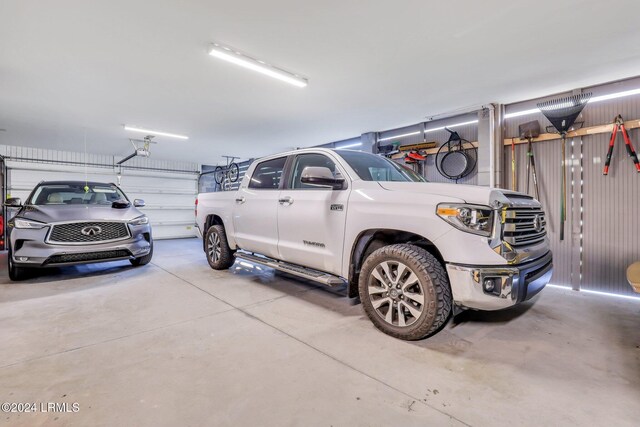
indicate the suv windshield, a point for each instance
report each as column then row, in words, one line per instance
column 370, row 167
column 75, row 194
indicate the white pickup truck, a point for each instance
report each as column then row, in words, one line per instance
column 414, row 252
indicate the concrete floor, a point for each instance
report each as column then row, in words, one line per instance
column 176, row 343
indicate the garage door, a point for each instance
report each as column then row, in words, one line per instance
column 169, row 192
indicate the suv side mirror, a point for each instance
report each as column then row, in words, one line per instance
column 139, row 203
column 13, row 202
column 321, row 176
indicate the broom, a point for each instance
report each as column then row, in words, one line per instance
column 562, row 113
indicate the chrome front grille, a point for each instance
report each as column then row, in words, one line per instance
column 524, row 226
column 79, row 233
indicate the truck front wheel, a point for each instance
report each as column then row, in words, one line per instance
column 405, row 291
column 219, row 254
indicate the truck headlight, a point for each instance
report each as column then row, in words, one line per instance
column 141, row 220
column 25, row 223
column 476, row 219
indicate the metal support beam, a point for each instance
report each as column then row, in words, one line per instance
column 490, row 146
column 369, row 142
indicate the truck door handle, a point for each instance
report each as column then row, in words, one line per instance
column 288, row 200
column 240, row 200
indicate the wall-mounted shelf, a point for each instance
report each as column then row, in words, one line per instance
column 592, row 130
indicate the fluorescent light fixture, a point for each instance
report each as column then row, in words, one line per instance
column 389, row 138
column 592, row 100
column 342, row 147
column 587, row 291
column 234, row 56
column 154, row 132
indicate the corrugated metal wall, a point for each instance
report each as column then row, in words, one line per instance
column 611, row 204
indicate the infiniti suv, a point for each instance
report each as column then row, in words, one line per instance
column 76, row 222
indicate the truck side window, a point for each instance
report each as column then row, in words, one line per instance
column 304, row 160
column 268, row 174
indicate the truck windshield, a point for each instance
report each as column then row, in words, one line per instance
column 370, row 167
column 75, row 194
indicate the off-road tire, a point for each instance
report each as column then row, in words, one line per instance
column 225, row 258
column 435, row 285
column 143, row 260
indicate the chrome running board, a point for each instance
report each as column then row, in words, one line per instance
column 296, row 270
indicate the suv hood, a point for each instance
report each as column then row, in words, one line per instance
column 466, row 193
column 69, row 213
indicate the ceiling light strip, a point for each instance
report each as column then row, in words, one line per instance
column 389, row 138
column 451, row 126
column 591, row 101
column 356, row 144
column 234, row 56
column 154, row 132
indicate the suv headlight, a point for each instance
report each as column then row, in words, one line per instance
column 141, row 220
column 476, row 219
column 25, row 223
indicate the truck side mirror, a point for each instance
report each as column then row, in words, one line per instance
column 13, row 202
column 139, row 203
column 321, row 176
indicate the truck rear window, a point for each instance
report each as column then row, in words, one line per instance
column 268, row 174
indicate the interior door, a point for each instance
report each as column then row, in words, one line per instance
column 311, row 219
column 255, row 215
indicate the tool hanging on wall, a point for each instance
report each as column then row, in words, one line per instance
column 618, row 124
column 562, row 113
column 529, row 131
column 456, row 158
column 514, row 186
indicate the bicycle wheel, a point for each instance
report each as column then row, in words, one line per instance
column 233, row 172
column 218, row 174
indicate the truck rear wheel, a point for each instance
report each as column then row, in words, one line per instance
column 405, row 291
column 219, row 254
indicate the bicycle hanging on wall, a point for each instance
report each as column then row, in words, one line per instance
column 227, row 175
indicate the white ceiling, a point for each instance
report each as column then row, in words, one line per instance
column 73, row 67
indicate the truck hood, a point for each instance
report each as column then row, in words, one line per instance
column 69, row 213
column 466, row 193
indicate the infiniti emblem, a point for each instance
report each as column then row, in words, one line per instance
column 91, row 230
column 537, row 223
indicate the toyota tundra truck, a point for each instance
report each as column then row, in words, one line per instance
column 413, row 252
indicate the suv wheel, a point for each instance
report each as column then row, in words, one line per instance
column 405, row 291
column 219, row 254
column 15, row 273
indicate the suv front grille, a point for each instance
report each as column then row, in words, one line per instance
column 524, row 226
column 87, row 256
column 88, row 232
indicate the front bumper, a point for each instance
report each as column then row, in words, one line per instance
column 30, row 250
column 498, row 287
